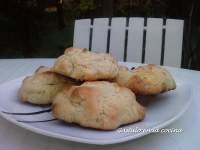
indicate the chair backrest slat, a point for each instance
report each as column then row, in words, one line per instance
column 82, row 33
column 117, row 38
column 100, row 34
column 153, row 40
column 135, row 40
column 173, row 42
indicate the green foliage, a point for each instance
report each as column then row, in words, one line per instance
column 52, row 44
column 77, row 8
column 86, row 5
column 140, row 7
column 194, row 52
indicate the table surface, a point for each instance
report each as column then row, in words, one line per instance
column 13, row 137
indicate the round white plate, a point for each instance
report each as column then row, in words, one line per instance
column 163, row 110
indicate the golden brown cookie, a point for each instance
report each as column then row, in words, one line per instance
column 42, row 86
column 146, row 80
column 98, row 104
column 82, row 64
column 72, row 50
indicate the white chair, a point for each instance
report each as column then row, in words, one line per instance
column 133, row 39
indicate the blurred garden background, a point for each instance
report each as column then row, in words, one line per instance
column 44, row 28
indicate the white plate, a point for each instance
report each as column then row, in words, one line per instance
column 165, row 109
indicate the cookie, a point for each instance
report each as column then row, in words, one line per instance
column 146, row 80
column 42, row 86
column 81, row 64
column 98, row 104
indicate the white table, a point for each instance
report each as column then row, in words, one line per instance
column 13, row 137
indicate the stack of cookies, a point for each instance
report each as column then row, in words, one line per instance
column 92, row 90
